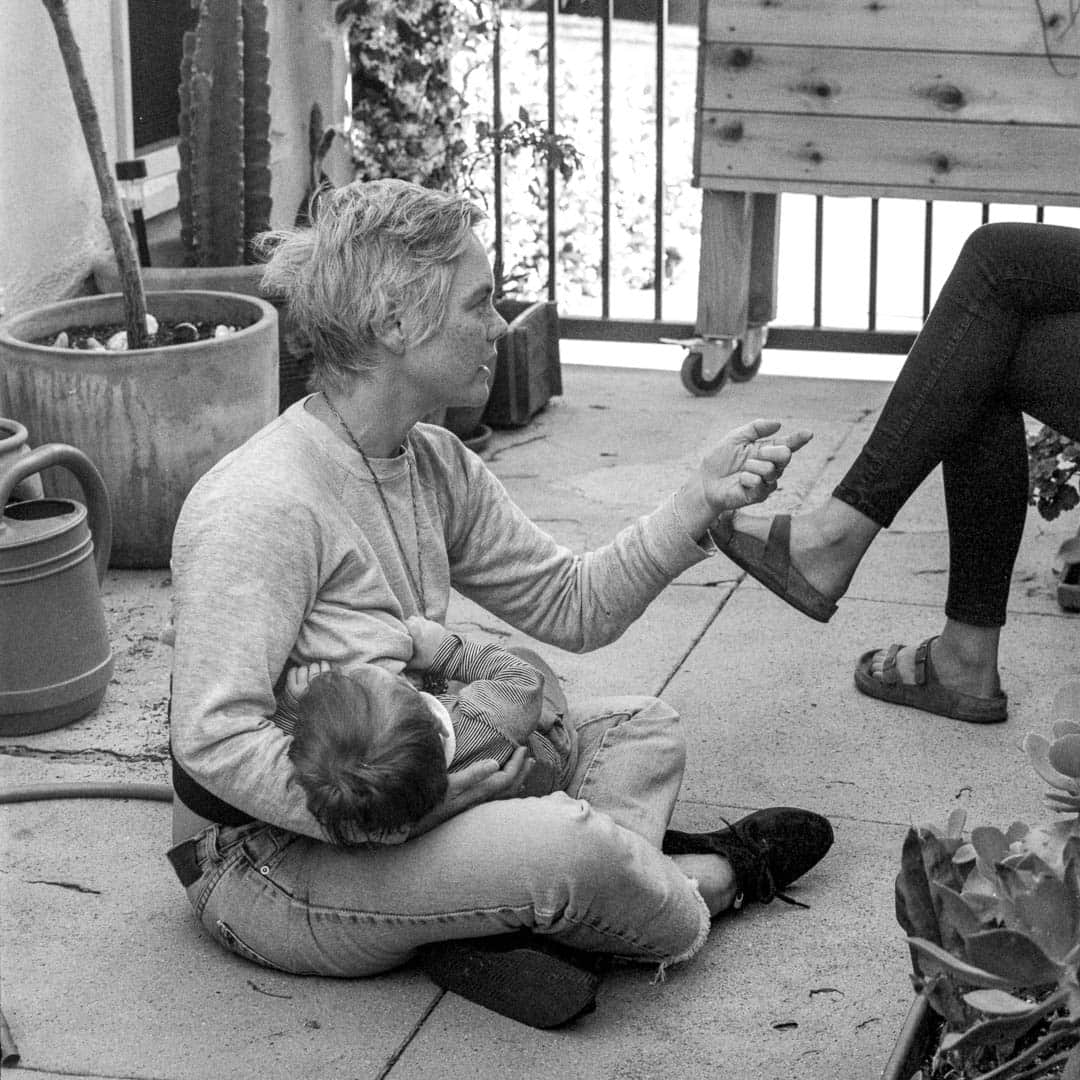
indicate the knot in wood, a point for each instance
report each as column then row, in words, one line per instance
column 941, row 163
column 738, row 57
column 948, row 97
column 732, row 131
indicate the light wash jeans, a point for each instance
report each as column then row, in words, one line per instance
column 583, row 866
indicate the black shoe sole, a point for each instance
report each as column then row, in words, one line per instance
column 526, row 983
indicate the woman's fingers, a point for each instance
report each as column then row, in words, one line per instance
column 484, row 780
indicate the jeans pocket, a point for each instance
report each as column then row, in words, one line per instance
column 235, row 944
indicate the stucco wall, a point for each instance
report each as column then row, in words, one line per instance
column 50, row 222
column 307, row 64
column 51, row 232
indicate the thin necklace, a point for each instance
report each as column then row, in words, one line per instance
column 416, row 585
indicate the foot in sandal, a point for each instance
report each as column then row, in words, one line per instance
column 954, row 675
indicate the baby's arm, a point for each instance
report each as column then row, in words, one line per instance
column 502, row 689
column 428, row 637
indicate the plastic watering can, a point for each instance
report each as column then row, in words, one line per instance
column 55, row 657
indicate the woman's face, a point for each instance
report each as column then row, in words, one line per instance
column 454, row 366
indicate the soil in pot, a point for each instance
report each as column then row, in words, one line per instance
column 112, row 337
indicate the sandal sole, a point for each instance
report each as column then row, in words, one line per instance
column 528, row 985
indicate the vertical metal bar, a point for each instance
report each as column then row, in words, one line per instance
column 552, row 236
column 497, row 164
column 985, row 213
column 872, row 298
column 605, row 153
column 819, row 233
column 658, row 213
column 1040, row 214
column 928, row 257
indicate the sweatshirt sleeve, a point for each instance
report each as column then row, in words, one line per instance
column 507, row 564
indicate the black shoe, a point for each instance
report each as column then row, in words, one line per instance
column 768, row 850
column 520, row 976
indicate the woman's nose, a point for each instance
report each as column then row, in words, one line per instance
column 499, row 326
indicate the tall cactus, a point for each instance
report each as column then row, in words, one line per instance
column 224, row 178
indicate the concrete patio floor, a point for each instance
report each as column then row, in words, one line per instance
column 105, row 973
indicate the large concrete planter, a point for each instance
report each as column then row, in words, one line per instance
column 152, row 420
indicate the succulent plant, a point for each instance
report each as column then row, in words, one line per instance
column 993, row 922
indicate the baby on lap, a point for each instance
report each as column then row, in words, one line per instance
column 372, row 753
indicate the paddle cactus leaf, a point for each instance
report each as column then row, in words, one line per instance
column 1064, row 755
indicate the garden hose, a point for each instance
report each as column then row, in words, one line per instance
column 43, row 792
column 9, row 1052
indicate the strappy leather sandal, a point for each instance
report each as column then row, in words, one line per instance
column 926, row 692
column 770, row 563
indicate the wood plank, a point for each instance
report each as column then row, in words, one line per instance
column 994, row 88
column 724, row 277
column 770, row 152
column 1011, row 26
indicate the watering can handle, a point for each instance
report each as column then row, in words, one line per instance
column 97, row 498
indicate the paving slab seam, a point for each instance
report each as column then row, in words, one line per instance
column 853, row 818
column 395, row 1057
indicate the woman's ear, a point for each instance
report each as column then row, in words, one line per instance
column 391, row 335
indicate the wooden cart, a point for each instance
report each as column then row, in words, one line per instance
column 973, row 100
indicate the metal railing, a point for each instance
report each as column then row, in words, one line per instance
column 870, row 338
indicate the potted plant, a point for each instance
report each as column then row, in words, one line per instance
column 1054, row 462
column 157, row 409
column 993, row 922
column 224, row 176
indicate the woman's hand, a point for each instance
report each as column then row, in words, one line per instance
column 480, row 782
column 744, row 467
column 427, row 636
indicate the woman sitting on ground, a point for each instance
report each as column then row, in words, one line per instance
column 345, row 516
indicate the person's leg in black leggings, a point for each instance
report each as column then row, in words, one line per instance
column 1002, row 339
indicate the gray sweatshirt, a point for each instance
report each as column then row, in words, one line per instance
column 283, row 555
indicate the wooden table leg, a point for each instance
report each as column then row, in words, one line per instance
column 724, row 277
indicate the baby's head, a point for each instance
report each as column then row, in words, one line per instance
column 370, row 752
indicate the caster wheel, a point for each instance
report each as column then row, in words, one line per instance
column 694, row 381
column 746, row 357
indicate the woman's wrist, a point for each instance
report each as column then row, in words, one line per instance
column 693, row 508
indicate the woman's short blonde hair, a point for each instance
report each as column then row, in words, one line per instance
column 377, row 252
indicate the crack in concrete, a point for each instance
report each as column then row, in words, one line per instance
column 21, row 750
column 73, row 885
column 498, row 452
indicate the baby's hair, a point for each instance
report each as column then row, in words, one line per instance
column 362, row 769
